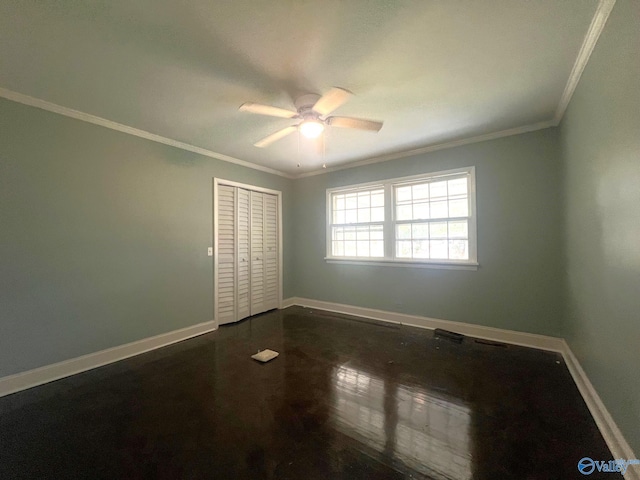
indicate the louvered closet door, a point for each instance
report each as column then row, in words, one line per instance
column 270, row 251
column 257, row 253
column 244, row 306
column 226, row 301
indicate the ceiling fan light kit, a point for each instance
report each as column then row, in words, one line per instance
column 311, row 128
column 312, row 109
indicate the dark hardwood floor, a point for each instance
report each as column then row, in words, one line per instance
column 346, row 399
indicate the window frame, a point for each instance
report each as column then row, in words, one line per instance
column 390, row 222
column 356, row 189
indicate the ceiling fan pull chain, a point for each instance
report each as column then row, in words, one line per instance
column 298, row 149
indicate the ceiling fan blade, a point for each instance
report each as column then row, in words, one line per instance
column 267, row 110
column 358, row 123
column 331, row 100
column 266, row 141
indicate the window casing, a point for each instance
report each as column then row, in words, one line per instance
column 424, row 220
column 357, row 222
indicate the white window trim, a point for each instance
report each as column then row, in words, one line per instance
column 389, row 214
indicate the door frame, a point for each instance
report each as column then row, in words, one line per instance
column 216, row 183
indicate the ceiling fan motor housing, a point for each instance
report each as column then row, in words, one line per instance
column 304, row 105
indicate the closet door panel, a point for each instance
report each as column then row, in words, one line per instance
column 270, row 251
column 244, row 224
column 247, row 251
column 257, row 253
column 226, row 301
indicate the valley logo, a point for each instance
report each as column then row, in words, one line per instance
column 587, row 466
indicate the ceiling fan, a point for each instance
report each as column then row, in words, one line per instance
column 312, row 109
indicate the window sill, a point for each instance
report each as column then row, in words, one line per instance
column 404, row 263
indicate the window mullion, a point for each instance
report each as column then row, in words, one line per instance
column 361, row 224
column 389, row 229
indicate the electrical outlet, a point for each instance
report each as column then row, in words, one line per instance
column 210, row 251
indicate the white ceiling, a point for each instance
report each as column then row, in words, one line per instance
column 434, row 71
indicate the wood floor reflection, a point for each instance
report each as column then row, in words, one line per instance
column 346, row 398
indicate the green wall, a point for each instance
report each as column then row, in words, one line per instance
column 103, row 237
column 600, row 137
column 518, row 285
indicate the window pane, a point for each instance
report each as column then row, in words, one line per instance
column 438, row 190
column 434, row 240
column 421, row 249
column 403, row 194
column 350, row 233
column 458, row 208
column 421, row 231
column 364, row 215
column 403, row 249
column 363, row 248
column 359, row 241
column 458, row 229
column 420, row 211
column 459, row 249
column 439, row 209
column 377, row 214
column 356, row 207
column 458, row 186
column 377, row 248
column 403, row 231
column 438, row 230
column 420, row 192
column 362, row 233
column 438, row 249
column 364, row 200
column 403, row 212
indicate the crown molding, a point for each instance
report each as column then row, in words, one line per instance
column 588, row 44
column 432, row 148
column 593, row 34
column 103, row 122
column 591, row 38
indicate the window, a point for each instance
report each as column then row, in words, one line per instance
column 426, row 219
column 357, row 223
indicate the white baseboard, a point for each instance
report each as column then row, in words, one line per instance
column 541, row 342
column 55, row 371
column 608, row 427
column 289, row 302
column 610, row 431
